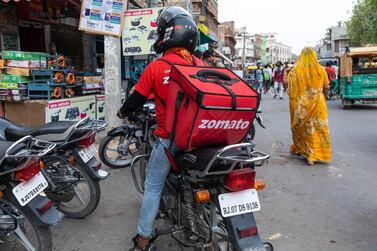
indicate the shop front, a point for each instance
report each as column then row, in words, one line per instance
column 49, row 69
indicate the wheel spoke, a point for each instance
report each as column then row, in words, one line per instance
column 78, row 196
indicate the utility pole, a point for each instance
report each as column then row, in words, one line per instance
column 112, row 80
column 243, row 52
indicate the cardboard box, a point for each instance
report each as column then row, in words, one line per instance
column 24, row 55
column 2, row 63
column 18, row 71
column 14, row 78
column 92, row 79
column 28, row 113
column 6, row 85
column 40, row 112
column 27, row 63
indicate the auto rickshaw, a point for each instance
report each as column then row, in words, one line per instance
column 358, row 76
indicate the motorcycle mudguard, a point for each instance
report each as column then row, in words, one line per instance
column 120, row 130
column 50, row 218
column 237, row 223
column 91, row 167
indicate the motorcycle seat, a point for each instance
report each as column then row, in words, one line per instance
column 199, row 159
column 53, row 131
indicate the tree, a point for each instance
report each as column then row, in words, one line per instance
column 362, row 28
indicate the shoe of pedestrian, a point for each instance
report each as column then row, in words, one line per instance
column 275, row 96
column 281, row 98
column 148, row 247
column 310, row 162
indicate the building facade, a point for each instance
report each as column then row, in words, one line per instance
column 277, row 51
column 245, row 47
column 335, row 42
column 226, row 39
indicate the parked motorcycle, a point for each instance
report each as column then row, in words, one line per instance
column 71, row 169
column 25, row 215
column 123, row 143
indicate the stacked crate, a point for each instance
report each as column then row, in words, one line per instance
column 17, row 73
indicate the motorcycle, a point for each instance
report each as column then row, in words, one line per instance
column 125, row 142
column 71, row 169
column 25, row 213
column 209, row 196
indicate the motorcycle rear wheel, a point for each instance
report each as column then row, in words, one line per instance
column 88, row 204
column 39, row 237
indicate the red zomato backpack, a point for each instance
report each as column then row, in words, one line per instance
column 208, row 106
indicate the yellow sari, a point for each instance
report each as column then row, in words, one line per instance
column 309, row 122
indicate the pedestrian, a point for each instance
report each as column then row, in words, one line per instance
column 177, row 49
column 278, row 78
column 259, row 78
column 287, row 68
column 211, row 59
column 308, row 85
column 267, row 72
column 331, row 74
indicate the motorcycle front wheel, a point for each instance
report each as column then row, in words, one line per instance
column 27, row 236
column 86, row 194
column 118, row 151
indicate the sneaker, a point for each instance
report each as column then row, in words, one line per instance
column 275, row 96
column 281, row 98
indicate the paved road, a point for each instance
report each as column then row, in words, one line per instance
column 325, row 207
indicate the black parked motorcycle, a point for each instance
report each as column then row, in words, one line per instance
column 25, row 215
column 123, row 143
column 72, row 169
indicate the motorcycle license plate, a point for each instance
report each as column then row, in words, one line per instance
column 87, row 154
column 28, row 190
column 237, row 203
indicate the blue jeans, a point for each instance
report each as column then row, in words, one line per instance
column 260, row 86
column 158, row 170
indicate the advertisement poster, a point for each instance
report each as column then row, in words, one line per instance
column 72, row 109
column 102, row 16
column 100, row 107
column 139, row 31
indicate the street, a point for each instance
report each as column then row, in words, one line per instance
column 324, row 207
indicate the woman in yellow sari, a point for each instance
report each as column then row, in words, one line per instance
column 307, row 84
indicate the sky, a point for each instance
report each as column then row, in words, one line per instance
column 299, row 23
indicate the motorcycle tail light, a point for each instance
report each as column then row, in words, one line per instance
column 248, row 232
column 32, row 168
column 88, row 139
column 46, row 207
column 240, row 179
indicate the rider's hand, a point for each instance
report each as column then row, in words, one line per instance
column 120, row 114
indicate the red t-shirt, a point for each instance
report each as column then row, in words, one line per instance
column 330, row 73
column 155, row 80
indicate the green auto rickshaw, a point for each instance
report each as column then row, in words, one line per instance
column 358, row 76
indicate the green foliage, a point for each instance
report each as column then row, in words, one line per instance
column 362, row 28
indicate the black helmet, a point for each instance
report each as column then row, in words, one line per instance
column 176, row 28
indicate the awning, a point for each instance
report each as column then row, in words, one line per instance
column 204, row 39
column 224, row 57
column 363, row 51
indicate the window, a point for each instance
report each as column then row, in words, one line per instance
column 329, row 47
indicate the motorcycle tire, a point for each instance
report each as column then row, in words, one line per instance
column 93, row 201
column 114, row 164
column 252, row 131
column 42, row 233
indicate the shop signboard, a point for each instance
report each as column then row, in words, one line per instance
column 102, row 16
column 139, row 31
column 72, row 109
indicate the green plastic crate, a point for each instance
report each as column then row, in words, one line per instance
column 14, row 79
column 23, row 55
